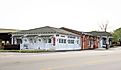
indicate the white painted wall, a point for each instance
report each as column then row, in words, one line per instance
column 66, row 46
column 49, row 46
column 107, row 41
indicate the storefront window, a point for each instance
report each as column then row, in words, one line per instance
column 104, row 41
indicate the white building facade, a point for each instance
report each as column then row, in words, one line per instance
column 105, row 40
column 46, row 38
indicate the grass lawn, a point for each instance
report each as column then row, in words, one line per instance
column 25, row 51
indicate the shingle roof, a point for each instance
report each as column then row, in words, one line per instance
column 73, row 31
column 44, row 30
column 100, row 33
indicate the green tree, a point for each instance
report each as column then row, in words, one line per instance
column 117, row 35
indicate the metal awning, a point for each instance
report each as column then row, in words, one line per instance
column 45, row 36
column 18, row 36
column 31, row 35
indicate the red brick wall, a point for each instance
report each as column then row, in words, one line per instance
column 85, row 40
column 96, row 42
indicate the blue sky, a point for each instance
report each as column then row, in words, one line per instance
column 82, row 15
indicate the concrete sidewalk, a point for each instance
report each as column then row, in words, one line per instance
column 113, row 48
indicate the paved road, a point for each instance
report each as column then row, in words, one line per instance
column 76, row 60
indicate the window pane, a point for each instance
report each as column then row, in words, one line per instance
column 64, row 40
column 77, row 41
column 68, row 41
column 39, row 40
column 31, row 40
column 59, row 40
column 72, row 41
column 49, row 40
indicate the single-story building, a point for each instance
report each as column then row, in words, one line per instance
column 88, row 41
column 47, row 38
column 105, row 38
